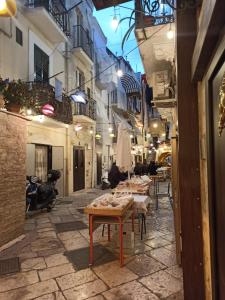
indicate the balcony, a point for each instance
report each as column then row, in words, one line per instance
column 82, row 44
column 85, row 112
column 51, row 18
column 42, row 93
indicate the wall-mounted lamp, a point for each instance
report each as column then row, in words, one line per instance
column 78, row 97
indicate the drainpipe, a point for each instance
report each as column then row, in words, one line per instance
column 66, row 65
column 93, row 157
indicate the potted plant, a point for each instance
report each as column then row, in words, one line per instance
column 15, row 93
column 2, row 86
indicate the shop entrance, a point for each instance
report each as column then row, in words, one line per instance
column 217, row 175
column 99, row 168
column 78, row 169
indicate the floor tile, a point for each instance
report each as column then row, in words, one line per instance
column 80, row 257
column 130, row 291
column 164, row 256
column 157, row 242
column 144, row 265
column 74, row 279
column 69, row 235
column 74, row 244
column 85, row 291
column 37, row 263
column 31, row 291
column 69, row 226
column 176, row 271
column 169, row 237
column 48, row 234
column 171, row 247
column 177, row 296
column 56, row 260
column 57, row 271
column 113, row 275
column 162, row 284
column 45, row 244
column 98, row 297
column 52, row 296
column 18, row 280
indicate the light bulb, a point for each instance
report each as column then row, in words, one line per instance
column 2, row 5
column 112, row 135
column 163, row 134
column 131, row 136
column 114, row 23
column 119, row 73
column 170, row 34
column 29, row 111
column 155, row 125
column 91, row 131
column 110, row 129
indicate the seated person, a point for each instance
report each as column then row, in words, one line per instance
column 153, row 168
column 138, row 169
column 115, row 176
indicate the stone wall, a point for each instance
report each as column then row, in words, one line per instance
column 13, row 176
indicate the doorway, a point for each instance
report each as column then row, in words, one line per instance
column 58, row 164
column 99, row 168
column 216, row 182
column 78, row 168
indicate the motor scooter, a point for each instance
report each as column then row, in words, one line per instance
column 40, row 196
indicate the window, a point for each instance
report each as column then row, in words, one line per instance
column 89, row 93
column 80, row 80
column 41, row 65
column 19, row 36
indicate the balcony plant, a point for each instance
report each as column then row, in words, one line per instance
column 15, row 94
column 2, row 86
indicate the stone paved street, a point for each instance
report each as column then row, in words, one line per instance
column 54, row 259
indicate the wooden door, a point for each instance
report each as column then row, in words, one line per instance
column 217, row 175
column 99, row 168
column 78, row 169
column 58, row 164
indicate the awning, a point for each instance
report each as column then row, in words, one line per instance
column 130, row 85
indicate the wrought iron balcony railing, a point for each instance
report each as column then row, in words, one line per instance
column 56, row 10
column 88, row 110
column 152, row 13
column 81, row 39
column 41, row 93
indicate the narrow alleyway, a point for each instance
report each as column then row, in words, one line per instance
column 54, row 258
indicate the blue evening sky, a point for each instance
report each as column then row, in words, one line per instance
column 114, row 38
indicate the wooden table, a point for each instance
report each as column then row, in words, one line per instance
column 109, row 216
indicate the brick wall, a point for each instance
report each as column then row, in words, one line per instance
column 12, row 176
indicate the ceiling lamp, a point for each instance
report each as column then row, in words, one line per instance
column 114, row 22
column 98, row 136
column 78, row 127
column 78, row 97
column 47, row 109
column 7, row 8
column 119, row 73
column 170, row 33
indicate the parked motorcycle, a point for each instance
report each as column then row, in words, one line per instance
column 39, row 196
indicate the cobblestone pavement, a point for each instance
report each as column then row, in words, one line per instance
column 150, row 270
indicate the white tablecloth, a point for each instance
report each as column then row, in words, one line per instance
column 141, row 202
